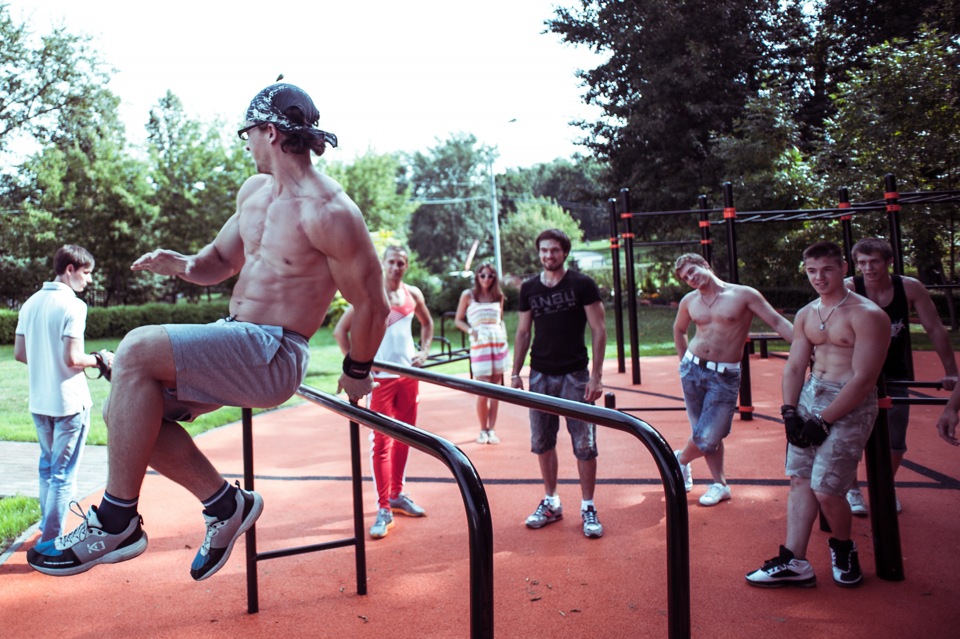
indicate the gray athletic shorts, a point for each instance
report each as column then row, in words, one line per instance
column 832, row 466
column 545, row 426
column 230, row 363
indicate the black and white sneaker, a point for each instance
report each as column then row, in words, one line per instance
column 783, row 570
column 222, row 534
column 87, row 546
column 846, row 563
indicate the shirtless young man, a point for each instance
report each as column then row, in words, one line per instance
column 295, row 239
column 828, row 418
column 710, row 364
column 897, row 295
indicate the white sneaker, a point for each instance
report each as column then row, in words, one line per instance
column 715, row 494
column 685, row 470
column 483, row 438
column 858, row 507
column 492, row 437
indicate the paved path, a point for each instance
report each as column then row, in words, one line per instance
column 18, row 469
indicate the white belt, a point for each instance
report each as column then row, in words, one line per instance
column 720, row 367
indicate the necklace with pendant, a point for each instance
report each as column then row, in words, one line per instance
column 823, row 320
column 715, row 298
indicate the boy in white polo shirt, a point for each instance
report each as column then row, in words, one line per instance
column 49, row 339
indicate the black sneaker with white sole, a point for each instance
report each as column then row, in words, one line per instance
column 846, row 563
column 222, row 534
column 87, row 546
column 783, row 570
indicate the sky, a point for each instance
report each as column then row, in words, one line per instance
column 386, row 75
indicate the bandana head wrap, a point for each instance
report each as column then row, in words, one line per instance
column 273, row 104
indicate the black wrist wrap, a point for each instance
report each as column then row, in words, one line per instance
column 356, row 370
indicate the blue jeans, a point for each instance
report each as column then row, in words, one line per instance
column 545, row 426
column 61, row 447
column 711, row 400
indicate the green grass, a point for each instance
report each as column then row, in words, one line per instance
column 16, row 515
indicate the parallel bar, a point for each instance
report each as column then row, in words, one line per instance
column 678, row 540
column 471, row 489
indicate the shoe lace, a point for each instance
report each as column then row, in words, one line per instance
column 543, row 509
column 775, row 564
column 590, row 517
column 208, row 538
column 80, row 532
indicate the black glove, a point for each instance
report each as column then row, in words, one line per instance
column 793, row 425
column 356, row 379
column 103, row 365
column 815, row 430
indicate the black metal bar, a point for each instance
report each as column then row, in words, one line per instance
column 706, row 244
column 678, row 544
column 617, row 286
column 730, row 217
column 471, row 489
column 253, row 557
column 253, row 596
column 631, row 284
column 883, row 511
column 900, row 383
column 846, row 226
column 357, row 486
column 746, row 391
column 893, row 219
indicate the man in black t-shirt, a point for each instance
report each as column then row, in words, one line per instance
column 558, row 304
column 897, row 295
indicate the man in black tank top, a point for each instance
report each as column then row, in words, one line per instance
column 897, row 295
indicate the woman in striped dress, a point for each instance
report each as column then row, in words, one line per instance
column 480, row 315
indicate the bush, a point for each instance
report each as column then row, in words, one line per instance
column 117, row 321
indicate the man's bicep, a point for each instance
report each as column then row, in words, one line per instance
column 353, row 262
column 595, row 316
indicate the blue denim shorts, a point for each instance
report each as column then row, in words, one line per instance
column 831, row 467
column 545, row 426
column 711, row 400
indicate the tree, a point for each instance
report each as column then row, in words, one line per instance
column 44, row 83
column 520, row 231
column 373, row 181
column 88, row 191
column 451, row 184
column 196, row 174
column 676, row 73
column 575, row 185
column 900, row 114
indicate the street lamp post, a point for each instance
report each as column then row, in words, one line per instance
column 496, row 222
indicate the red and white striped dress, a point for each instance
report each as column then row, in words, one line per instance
column 488, row 350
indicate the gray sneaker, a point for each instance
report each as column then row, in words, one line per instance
column 404, row 505
column 591, row 525
column 686, row 472
column 858, row 508
column 223, row 534
column 88, row 545
column 383, row 524
column 544, row 514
